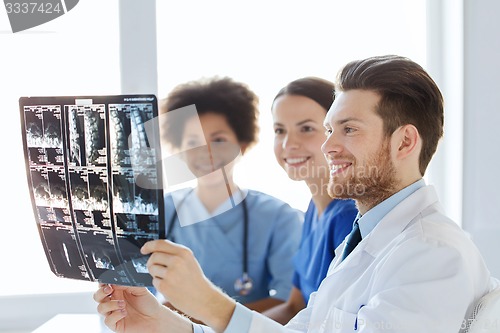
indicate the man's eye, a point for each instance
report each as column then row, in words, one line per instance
column 348, row 130
column 278, row 131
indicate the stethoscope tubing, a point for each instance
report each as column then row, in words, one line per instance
column 169, row 233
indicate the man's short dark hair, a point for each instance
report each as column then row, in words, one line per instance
column 408, row 96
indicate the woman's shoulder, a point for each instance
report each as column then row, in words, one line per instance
column 178, row 194
column 259, row 197
column 342, row 207
column 340, row 216
column 267, row 202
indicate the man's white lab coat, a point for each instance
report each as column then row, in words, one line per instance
column 417, row 272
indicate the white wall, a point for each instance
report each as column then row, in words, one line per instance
column 27, row 312
column 481, row 163
column 463, row 41
column 138, row 68
column 445, row 64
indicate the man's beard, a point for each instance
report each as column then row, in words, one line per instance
column 368, row 184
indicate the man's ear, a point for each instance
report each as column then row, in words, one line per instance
column 407, row 141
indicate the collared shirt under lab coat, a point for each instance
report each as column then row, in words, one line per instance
column 417, row 271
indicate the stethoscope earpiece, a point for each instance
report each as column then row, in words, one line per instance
column 243, row 285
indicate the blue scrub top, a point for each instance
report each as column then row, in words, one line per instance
column 274, row 233
column 320, row 238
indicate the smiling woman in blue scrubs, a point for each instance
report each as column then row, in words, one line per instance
column 243, row 239
column 299, row 110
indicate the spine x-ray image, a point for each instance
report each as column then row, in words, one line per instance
column 83, row 156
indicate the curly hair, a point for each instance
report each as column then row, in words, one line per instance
column 222, row 96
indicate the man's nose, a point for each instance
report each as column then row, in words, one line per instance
column 331, row 144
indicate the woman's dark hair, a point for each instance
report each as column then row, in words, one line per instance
column 223, row 96
column 319, row 90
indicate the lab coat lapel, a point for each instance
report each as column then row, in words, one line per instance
column 351, row 260
column 399, row 218
column 387, row 229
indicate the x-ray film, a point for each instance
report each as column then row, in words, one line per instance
column 93, row 166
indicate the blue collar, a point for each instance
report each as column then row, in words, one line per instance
column 371, row 218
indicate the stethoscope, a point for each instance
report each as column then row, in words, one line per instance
column 244, row 284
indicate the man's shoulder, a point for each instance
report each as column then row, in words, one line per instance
column 441, row 228
column 425, row 227
column 436, row 230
